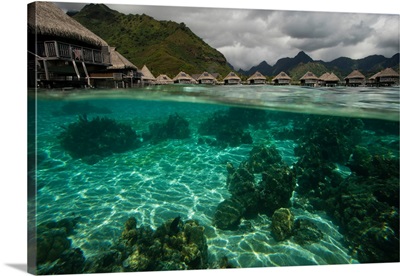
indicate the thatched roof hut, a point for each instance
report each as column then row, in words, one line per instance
column 282, row 79
column 329, row 79
column 355, row 78
column 147, row 76
column 182, row 77
column 46, row 19
column 119, row 62
column 164, row 79
column 388, row 72
column 385, row 77
column 257, row 78
column 232, row 78
column 206, row 78
column 309, row 79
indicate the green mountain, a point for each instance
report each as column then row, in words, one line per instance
column 165, row 47
column 297, row 66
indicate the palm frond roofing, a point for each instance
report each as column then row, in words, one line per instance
column 309, row 76
column 257, row 76
column 355, row 75
column 282, row 76
column 206, row 76
column 164, row 79
column 329, row 77
column 232, row 76
column 147, row 75
column 388, row 72
column 45, row 18
column 118, row 61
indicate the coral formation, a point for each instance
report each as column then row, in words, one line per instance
column 282, row 224
column 365, row 204
column 97, row 138
column 55, row 254
column 176, row 127
column 229, row 127
column 249, row 198
column 175, row 245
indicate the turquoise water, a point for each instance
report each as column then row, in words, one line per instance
column 155, row 182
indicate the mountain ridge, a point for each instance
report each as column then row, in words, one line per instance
column 341, row 66
column 168, row 47
column 163, row 46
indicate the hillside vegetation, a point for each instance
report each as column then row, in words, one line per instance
column 165, row 47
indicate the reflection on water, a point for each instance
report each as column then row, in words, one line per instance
column 194, row 177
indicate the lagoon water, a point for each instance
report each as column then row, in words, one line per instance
column 158, row 181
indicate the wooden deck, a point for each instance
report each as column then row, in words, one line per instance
column 55, row 50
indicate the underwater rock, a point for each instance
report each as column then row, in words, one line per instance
column 329, row 139
column 276, row 188
column 176, row 127
column 366, row 209
column 241, row 184
column 282, row 224
column 71, row 261
column 306, row 232
column 227, row 128
column 54, row 253
column 98, row 137
column 224, row 263
column 261, row 157
column 52, row 239
column 173, row 245
column 228, row 214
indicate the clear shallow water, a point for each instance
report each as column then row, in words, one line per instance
column 157, row 182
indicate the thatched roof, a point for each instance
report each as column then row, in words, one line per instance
column 231, row 76
column 388, row 72
column 282, row 76
column 182, row 76
column 206, row 76
column 118, row 61
column 164, row 79
column 147, row 75
column 355, row 75
column 324, row 76
column 332, row 77
column 45, row 18
column 374, row 76
column 309, row 76
column 257, row 76
column 329, row 77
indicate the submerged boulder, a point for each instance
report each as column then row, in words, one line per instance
column 175, row 245
column 282, row 224
column 228, row 214
column 94, row 139
column 176, row 127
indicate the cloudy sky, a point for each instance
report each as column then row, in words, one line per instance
column 247, row 37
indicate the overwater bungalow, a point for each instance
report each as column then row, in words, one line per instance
column 163, row 79
column 355, row 78
column 328, row 79
column 61, row 51
column 121, row 74
column 257, row 78
column 231, row 78
column 386, row 77
column 206, row 78
column 184, row 78
column 281, row 79
column 309, row 79
column 147, row 77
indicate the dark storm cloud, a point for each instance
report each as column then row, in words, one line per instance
column 249, row 36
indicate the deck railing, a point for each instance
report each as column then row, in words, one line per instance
column 65, row 51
